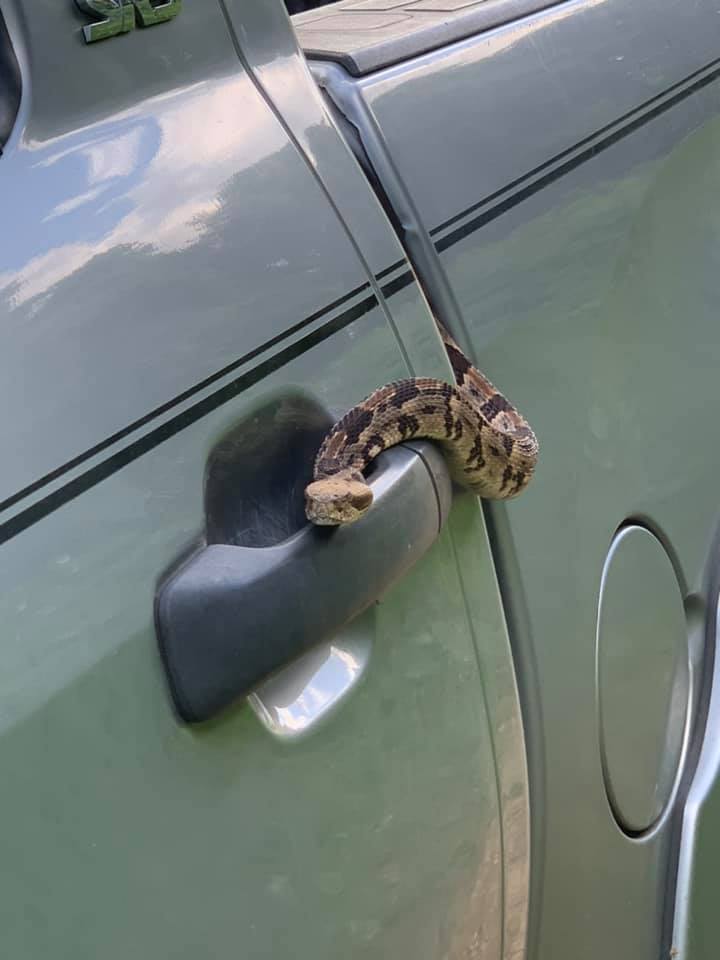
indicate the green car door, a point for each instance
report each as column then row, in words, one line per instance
column 553, row 171
column 195, row 278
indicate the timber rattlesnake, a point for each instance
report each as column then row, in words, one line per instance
column 489, row 447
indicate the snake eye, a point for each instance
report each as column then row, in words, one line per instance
column 360, row 496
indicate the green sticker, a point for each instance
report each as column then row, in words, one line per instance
column 119, row 16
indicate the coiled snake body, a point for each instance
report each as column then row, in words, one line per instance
column 489, row 447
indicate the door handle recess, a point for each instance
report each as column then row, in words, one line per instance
column 231, row 616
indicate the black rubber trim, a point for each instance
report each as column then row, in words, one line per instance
column 10, row 85
column 567, row 160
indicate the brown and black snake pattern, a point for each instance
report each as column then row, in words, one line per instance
column 489, row 447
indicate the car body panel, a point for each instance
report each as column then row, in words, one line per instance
column 130, row 832
column 228, row 279
column 518, row 96
column 163, row 194
column 573, row 229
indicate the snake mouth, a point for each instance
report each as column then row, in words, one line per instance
column 337, row 500
column 362, row 498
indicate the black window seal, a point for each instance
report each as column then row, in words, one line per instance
column 10, row 85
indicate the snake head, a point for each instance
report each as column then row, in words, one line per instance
column 335, row 500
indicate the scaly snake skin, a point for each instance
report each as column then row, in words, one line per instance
column 489, row 447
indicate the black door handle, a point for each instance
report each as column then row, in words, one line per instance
column 230, row 616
